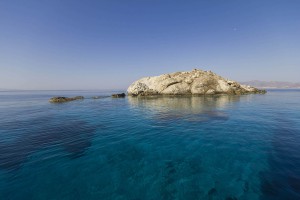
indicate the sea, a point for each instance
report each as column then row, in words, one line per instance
column 139, row 148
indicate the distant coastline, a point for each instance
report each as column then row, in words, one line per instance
column 25, row 90
column 254, row 83
column 272, row 84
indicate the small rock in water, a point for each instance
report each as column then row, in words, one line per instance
column 122, row 95
column 64, row 99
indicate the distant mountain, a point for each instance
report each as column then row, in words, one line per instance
column 8, row 90
column 272, row 84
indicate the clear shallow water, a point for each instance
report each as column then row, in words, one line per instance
column 226, row 147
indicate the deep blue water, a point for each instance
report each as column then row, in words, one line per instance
column 225, row 147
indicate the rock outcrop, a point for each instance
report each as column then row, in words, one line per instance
column 122, row 95
column 196, row 82
column 64, row 99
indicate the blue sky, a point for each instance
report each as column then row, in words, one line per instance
column 107, row 44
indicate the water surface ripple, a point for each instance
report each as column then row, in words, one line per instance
column 223, row 147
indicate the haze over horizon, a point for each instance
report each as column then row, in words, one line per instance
column 109, row 44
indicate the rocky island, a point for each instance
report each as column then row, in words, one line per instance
column 195, row 82
column 64, row 99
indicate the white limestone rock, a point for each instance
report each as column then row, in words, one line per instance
column 196, row 82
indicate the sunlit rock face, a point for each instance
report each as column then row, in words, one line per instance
column 196, row 82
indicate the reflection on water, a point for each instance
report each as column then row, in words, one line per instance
column 190, row 108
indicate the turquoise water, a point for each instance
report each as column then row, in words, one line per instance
column 225, row 147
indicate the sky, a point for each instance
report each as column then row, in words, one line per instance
column 108, row 44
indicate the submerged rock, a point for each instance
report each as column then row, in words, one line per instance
column 99, row 97
column 64, row 99
column 196, row 82
column 122, row 95
column 73, row 136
